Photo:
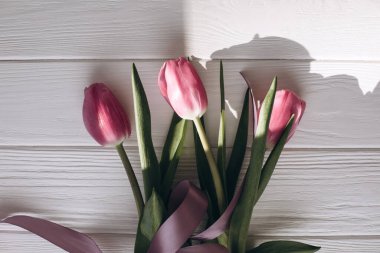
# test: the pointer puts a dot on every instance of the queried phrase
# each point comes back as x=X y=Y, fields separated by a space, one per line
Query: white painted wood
x=91 y=29
x=123 y=243
x=312 y=193
x=325 y=189
x=343 y=29
x=40 y=102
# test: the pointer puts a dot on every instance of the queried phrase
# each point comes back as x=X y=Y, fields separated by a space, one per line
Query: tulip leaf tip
x=274 y=83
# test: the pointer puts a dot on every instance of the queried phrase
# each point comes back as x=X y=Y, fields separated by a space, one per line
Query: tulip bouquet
x=169 y=214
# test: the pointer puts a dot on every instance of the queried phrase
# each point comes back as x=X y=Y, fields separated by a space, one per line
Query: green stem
x=213 y=167
x=132 y=179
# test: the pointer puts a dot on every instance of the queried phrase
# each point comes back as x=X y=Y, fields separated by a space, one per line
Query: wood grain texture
x=283 y=29
x=312 y=193
x=123 y=243
x=325 y=190
x=40 y=102
x=91 y=29
x=342 y=29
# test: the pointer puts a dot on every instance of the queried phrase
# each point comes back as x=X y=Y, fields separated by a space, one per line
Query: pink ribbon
x=190 y=206
x=63 y=237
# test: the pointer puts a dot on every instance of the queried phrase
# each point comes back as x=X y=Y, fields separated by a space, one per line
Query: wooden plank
x=91 y=29
x=18 y=241
x=283 y=29
x=160 y=29
x=312 y=193
x=40 y=102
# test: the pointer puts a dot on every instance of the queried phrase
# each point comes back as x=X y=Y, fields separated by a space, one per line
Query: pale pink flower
x=104 y=117
x=182 y=88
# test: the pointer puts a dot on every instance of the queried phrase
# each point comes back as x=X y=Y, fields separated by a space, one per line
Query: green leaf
x=151 y=220
x=204 y=175
x=148 y=158
x=153 y=216
x=141 y=243
x=238 y=150
x=284 y=247
x=221 y=155
x=242 y=214
x=171 y=153
x=272 y=160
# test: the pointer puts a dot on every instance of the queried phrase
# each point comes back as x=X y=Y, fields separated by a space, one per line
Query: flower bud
x=182 y=88
x=104 y=117
x=286 y=103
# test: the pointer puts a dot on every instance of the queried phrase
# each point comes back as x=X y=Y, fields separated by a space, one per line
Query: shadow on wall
x=336 y=108
x=337 y=113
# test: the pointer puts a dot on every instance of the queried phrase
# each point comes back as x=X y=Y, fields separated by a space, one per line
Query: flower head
x=104 y=117
x=182 y=88
x=286 y=103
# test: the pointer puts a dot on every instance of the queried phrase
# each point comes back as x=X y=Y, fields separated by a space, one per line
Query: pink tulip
x=182 y=88
x=104 y=117
x=285 y=104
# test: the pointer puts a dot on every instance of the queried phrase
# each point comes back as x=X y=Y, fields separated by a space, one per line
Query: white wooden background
x=326 y=189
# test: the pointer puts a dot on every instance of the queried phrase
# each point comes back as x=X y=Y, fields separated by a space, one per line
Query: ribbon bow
x=188 y=206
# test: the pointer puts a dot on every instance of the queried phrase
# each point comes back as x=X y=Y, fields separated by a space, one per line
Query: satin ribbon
x=63 y=237
x=189 y=206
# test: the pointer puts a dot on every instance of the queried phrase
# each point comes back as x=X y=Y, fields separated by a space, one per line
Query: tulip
x=108 y=123
x=286 y=103
x=104 y=117
x=182 y=88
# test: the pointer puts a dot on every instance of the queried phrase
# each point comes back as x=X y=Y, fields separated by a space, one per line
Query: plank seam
x=41 y=60
x=269 y=237
x=89 y=147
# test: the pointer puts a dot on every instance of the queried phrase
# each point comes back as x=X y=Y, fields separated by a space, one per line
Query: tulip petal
x=286 y=103
x=182 y=88
x=104 y=117
x=162 y=82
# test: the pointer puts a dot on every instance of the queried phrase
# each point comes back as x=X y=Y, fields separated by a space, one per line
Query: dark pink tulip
x=285 y=104
x=182 y=88
x=104 y=117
